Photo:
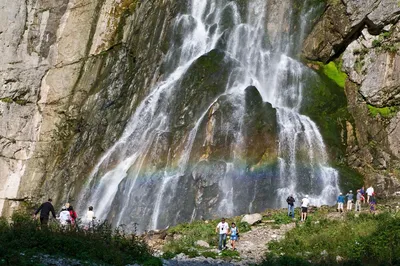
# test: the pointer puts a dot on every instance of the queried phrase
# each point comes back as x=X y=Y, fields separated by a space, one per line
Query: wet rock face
x=368 y=47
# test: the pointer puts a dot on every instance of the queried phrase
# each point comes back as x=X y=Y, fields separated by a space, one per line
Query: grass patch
x=230 y=254
x=367 y=239
x=386 y=112
x=187 y=234
x=209 y=254
x=22 y=239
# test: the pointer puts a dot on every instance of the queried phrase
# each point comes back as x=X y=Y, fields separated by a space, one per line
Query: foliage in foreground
x=22 y=239
x=363 y=240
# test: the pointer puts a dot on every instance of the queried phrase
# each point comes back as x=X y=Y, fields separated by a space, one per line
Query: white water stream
x=270 y=68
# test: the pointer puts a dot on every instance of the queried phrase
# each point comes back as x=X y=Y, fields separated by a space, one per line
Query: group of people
x=67 y=216
x=305 y=202
x=224 y=230
x=360 y=199
x=363 y=196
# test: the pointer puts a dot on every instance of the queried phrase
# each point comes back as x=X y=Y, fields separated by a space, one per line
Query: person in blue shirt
x=350 y=197
x=234 y=232
x=340 y=202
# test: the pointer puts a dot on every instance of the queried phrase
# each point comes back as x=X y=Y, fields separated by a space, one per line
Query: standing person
x=370 y=191
x=362 y=191
x=304 y=207
x=340 y=202
x=234 y=232
x=90 y=217
x=350 y=196
x=372 y=203
x=290 y=201
x=73 y=215
x=359 y=199
x=222 y=229
x=45 y=210
x=65 y=217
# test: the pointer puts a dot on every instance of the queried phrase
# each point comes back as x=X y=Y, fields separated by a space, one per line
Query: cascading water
x=123 y=187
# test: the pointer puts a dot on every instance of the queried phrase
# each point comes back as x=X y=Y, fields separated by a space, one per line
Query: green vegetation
x=187 y=234
x=333 y=72
x=386 y=112
x=384 y=42
x=22 y=239
x=359 y=240
x=11 y=100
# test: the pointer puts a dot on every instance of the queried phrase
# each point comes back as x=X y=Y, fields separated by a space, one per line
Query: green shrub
x=22 y=239
x=281 y=218
x=209 y=254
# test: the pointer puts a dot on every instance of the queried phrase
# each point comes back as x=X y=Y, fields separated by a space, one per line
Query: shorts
x=303 y=209
x=234 y=238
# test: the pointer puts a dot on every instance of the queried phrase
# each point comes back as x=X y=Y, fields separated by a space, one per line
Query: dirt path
x=253 y=244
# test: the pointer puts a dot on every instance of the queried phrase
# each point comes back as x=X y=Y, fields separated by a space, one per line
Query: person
x=222 y=229
x=372 y=203
x=290 y=201
x=350 y=196
x=359 y=200
x=234 y=232
x=340 y=202
x=45 y=210
x=73 y=215
x=370 y=191
x=362 y=191
x=304 y=206
x=65 y=217
x=90 y=217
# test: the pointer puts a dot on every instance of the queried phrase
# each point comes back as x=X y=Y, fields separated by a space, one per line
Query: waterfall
x=122 y=188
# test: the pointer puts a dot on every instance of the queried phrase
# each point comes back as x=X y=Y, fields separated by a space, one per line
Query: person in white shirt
x=90 y=217
x=65 y=217
x=222 y=229
x=369 y=191
x=304 y=207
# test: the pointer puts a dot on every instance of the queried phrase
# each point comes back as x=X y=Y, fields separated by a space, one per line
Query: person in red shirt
x=73 y=215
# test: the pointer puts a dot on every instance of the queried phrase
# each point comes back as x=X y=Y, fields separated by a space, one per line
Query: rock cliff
x=363 y=38
x=66 y=72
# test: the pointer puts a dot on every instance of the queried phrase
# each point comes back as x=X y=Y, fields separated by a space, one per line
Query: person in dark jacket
x=45 y=210
x=290 y=201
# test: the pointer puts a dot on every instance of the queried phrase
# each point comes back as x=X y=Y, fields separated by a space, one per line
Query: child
x=234 y=232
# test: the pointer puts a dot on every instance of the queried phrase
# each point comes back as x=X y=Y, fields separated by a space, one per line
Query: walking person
x=73 y=215
x=222 y=228
x=304 y=207
x=45 y=210
x=340 y=202
x=234 y=232
x=359 y=200
x=290 y=201
x=370 y=192
x=350 y=197
x=65 y=217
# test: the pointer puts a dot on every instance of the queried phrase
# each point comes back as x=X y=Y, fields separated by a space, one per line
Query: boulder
x=252 y=218
x=202 y=243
